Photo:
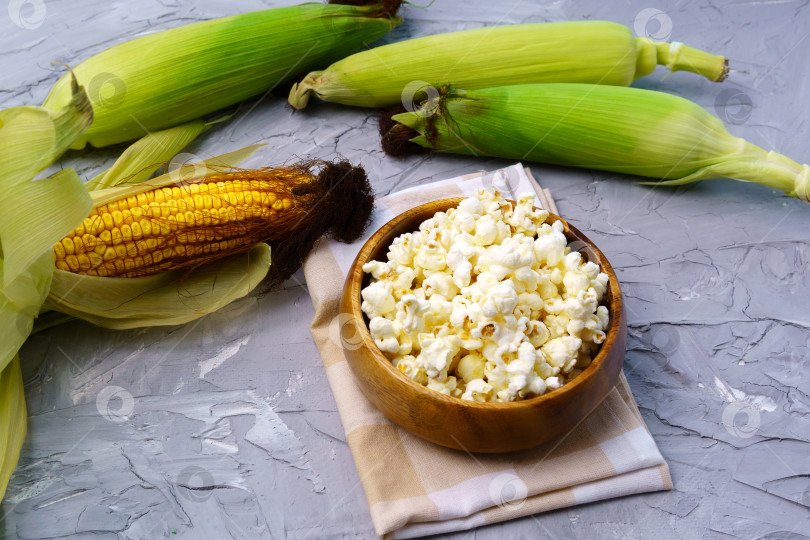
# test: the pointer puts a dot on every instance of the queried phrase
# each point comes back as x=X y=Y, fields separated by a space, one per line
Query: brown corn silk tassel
x=188 y=224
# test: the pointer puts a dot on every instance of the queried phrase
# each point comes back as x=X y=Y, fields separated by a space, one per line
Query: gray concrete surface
x=226 y=427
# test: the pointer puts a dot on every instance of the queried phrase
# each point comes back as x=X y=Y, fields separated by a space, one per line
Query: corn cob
x=626 y=130
x=174 y=76
x=190 y=224
x=596 y=52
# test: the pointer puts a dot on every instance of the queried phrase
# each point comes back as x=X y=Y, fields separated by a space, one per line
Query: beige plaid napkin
x=416 y=488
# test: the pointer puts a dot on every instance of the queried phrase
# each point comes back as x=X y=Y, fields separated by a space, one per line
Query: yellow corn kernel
x=94 y=224
x=88 y=243
x=68 y=246
x=59 y=250
x=126 y=217
x=84 y=261
x=72 y=262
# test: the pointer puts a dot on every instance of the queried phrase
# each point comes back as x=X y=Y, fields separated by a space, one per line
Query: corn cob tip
x=302 y=90
x=677 y=56
x=347 y=203
x=802 y=189
x=724 y=72
x=395 y=137
x=342 y=212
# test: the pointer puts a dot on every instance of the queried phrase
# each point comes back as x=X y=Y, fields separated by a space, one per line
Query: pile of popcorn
x=487 y=302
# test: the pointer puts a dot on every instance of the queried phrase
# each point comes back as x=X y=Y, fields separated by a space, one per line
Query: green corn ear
x=171 y=77
x=597 y=52
x=626 y=130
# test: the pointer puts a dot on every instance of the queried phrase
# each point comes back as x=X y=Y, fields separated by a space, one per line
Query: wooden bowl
x=468 y=425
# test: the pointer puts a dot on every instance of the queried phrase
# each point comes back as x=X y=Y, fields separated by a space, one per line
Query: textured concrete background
x=226 y=427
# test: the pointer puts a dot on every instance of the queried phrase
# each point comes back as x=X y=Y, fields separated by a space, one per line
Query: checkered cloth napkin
x=417 y=488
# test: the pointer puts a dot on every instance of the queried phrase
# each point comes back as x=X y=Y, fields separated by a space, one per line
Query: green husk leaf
x=20 y=302
x=186 y=173
x=147 y=155
x=164 y=299
x=13 y=419
x=42 y=211
x=171 y=77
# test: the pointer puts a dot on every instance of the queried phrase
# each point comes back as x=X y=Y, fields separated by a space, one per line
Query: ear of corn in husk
x=611 y=128
x=169 y=250
x=596 y=52
x=171 y=77
x=34 y=212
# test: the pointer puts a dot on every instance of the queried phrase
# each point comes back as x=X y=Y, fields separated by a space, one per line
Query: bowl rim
x=610 y=336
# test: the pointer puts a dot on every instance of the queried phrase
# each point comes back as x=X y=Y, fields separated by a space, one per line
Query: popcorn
x=447 y=386
x=384 y=335
x=478 y=390
x=437 y=354
x=486 y=231
x=377 y=299
x=486 y=302
x=408 y=366
x=409 y=311
x=471 y=367
x=441 y=283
